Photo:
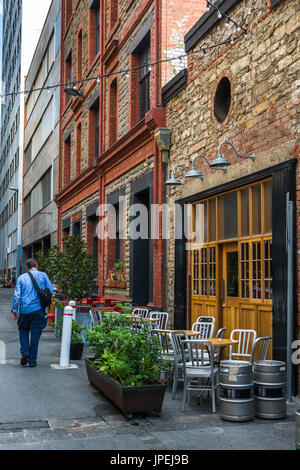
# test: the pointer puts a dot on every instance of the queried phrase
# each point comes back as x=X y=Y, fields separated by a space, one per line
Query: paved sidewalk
x=46 y=409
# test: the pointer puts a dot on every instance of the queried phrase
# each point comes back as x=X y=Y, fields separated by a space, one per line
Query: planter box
x=143 y=399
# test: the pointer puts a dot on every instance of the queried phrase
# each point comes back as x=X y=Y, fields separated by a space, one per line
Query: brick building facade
x=107 y=144
x=245 y=92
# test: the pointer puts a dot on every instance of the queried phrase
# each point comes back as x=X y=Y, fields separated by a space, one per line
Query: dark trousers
x=30 y=329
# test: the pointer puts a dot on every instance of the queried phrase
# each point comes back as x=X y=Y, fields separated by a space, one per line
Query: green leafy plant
x=125 y=308
x=132 y=358
x=76 y=335
x=119 y=266
x=72 y=269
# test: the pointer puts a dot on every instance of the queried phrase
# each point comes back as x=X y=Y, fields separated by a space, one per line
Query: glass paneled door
x=230 y=285
x=231 y=260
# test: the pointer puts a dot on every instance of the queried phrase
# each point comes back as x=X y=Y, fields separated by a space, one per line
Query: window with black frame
x=144 y=80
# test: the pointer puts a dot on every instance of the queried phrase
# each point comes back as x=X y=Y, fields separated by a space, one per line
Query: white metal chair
x=243 y=349
x=96 y=316
x=162 y=320
x=176 y=338
x=260 y=348
x=143 y=312
x=195 y=368
x=220 y=333
x=164 y=338
x=206 y=318
x=205 y=328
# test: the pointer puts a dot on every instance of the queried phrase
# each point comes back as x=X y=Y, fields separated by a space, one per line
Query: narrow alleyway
x=45 y=408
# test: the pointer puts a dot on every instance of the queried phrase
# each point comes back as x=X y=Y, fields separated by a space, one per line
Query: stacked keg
x=269 y=379
x=236 y=391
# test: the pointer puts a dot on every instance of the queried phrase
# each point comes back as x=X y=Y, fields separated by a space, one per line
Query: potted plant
x=126 y=365
x=72 y=269
x=76 y=347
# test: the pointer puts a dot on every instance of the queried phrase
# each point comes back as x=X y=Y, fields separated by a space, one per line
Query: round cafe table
x=220 y=342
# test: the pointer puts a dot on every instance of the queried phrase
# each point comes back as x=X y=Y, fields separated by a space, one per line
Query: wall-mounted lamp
x=193 y=173
x=173 y=181
x=221 y=162
x=73 y=91
x=163 y=140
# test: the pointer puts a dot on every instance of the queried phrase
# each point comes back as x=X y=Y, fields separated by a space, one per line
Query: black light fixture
x=72 y=91
x=221 y=162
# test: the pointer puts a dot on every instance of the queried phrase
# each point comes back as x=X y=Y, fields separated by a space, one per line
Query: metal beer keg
x=269 y=380
x=236 y=391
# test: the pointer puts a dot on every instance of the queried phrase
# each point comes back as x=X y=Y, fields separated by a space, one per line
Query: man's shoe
x=33 y=364
x=24 y=359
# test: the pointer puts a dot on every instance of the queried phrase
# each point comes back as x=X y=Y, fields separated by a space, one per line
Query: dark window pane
x=212 y=220
x=245 y=212
x=256 y=209
x=46 y=187
x=232 y=274
x=227 y=215
x=268 y=206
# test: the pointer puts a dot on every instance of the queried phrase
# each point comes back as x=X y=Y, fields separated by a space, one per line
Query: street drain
x=20 y=426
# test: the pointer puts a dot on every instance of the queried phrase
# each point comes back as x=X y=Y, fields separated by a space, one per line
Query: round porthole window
x=222 y=100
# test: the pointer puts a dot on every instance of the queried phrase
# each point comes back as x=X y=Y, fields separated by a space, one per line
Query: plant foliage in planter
x=125 y=308
x=131 y=358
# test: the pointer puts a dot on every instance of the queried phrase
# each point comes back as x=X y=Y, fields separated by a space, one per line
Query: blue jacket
x=25 y=293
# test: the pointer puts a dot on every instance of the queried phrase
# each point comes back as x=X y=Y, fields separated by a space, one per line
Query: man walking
x=27 y=310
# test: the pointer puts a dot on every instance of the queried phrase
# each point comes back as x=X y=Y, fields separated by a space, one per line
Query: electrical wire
x=125 y=71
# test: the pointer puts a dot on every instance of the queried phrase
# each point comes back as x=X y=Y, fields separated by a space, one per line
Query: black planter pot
x=76 y=351
x=130 y=400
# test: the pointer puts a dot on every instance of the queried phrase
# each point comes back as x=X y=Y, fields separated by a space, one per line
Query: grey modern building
x=41 y=139
x=22 y=23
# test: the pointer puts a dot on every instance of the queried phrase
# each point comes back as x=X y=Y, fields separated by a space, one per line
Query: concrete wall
x=43 y=223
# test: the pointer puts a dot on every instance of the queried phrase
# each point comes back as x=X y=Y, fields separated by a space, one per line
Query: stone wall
x=264 y=117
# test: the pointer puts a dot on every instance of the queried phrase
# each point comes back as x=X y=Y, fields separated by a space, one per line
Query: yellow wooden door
x=239 y=311
x=230 y=287
x=205 y=298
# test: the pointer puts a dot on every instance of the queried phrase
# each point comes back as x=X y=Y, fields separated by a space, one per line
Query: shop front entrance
x=231 y=259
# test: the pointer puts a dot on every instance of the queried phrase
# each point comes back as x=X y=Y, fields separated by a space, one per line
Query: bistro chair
x=176 y=338
x=96 y=316
x=220 y=333
x=195 y=368
x=205 y=328
x=162 y=320
x=142 y=312
x=206 y=318
x=260 y=348
x=243 y=349
x=164 y=338
x=136 y=324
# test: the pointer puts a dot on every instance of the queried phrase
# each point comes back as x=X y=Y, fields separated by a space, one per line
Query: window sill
x=116 y=284
x=112 y=31
x=92 y=63
x=68 y=26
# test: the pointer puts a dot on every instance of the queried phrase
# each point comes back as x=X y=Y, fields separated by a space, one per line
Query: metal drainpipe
x=166 y=244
